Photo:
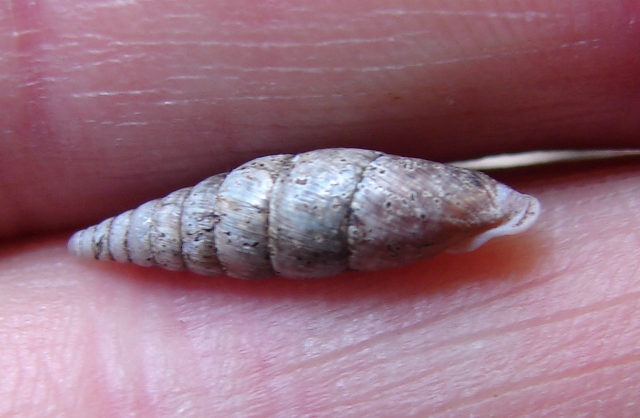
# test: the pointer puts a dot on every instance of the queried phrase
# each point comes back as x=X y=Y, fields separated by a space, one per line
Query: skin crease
x=107 y=104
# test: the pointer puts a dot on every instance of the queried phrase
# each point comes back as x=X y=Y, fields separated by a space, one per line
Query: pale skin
x=106 y=105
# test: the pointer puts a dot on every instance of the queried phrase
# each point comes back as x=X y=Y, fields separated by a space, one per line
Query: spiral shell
x=312 y=215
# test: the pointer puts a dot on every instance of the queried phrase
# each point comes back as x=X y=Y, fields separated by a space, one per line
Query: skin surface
x=108 y=104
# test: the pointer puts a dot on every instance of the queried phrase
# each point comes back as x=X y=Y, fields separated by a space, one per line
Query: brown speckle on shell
x=312 y=215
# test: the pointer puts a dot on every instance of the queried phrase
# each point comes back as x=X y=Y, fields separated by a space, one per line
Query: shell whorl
x=314 y=214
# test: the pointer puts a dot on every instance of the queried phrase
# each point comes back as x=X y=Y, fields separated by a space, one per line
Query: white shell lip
x=524 y=208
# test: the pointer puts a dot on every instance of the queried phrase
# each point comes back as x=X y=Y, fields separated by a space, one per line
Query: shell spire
x=314 y=214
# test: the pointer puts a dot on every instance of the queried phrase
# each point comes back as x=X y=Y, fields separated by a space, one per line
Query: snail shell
x=314 y=214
